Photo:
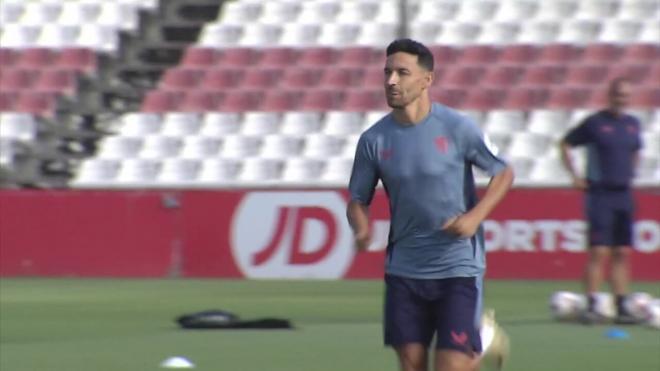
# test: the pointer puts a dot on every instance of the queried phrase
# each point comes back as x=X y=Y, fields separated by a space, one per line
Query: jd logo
x=291 y=235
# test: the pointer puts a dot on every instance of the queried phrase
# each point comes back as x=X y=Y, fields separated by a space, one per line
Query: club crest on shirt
x=631 y=129
x=386 y=154
x=606 y=129
x=441 y=144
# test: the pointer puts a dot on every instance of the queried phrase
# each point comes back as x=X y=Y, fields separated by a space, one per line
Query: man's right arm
x=567 y=161
x=358 y=218
x=361 y=187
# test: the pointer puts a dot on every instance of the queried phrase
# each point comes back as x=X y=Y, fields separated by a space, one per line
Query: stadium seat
x=337 y=170
x=300 y=123
x=301 y=170
x=37 y=13
x=317 y=56
x=345 y=77
x=640 y=53
x=77 y=59
x=362 y=100
x=180 y=124
x=240 y=12
x=568 y=97
x=299 y=78
x=96 y=172
x=280 y=100
x=279 y=57
x=477 y=11
x=256 y=169
x=180 y=79
x=579 y=31
x=342 y=123
x=637 y=73
x=617 y=31
x=638 y=9
x=299 y=34
x=17 y=36
x=278 y=146
x=484 y=98
x=119 y=147
x=215 y=35
x=338 y=34
x=503 y=75
x=425 y=32
x=519 y=54
x=321 y=100
x=279 y=12
x=13 y=80
x=199 y=57
x=139 y=124
x=40 y=104
x=458 y=33
x=601 y=9
x=200 y=101
x=260 y=35
x=218 y=171
x=200 y=147
x=138 y=172
x=586 y=74
x=17 y=126
x=601 y=53
x=358 y=11
x=522 y=98
x=431 y=11
x=219 y=124
x=239 y=57
x=650 y=32
x=159 y=147
x=102 y=38
x=549 y=170
x=161 y=101
x=261 y=78
x=559 y=53
x=647 y=97
x=75 y=13
x=257 y=123
x=11 y=12
x=548 y=122
x=526 y=144
x=516 y=10
x=452 y=97
x=314 y=12
x=178 y=172
x=478 y=54
x=36 y=57
x=118 y=15
x=504 y=121
x=498 y=33
x=55 y=36
x=57 y=81
x=239 y=146
x=556 y=9
x=319 y=145
x=221 y=79
x=544 y=74
x=241 y=101
x=462 y=75
x=538 y=32
x=377 y=34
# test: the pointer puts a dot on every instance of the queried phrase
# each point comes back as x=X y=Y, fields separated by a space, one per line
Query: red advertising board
x=297 y=234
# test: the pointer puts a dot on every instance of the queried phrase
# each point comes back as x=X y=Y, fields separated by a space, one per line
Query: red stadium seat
x=646 y=97
x=525 y=98
x=443 y=54
x=568 y=97
x=519 y=54
x=200 y=101
x=362 y=100
x=7 y=101
x=637 y=73
x=261 y=77
x=57 y=81
x=239 y=57
x=36 y=57
x=279 y=57
x=503 y=75
x=321 y=100
x=483 y=99
x=280 y=101
x=41 y=104
x=301 y=77
x=479 y=54
x=587 y=74
x=559 y=53
x=452 y=97
x=462 y=76
x=601 y=53
x=654 y=76
x=77 y=59
x=17 y=79
x=8 y=57
x=639 y=53
x=341 y=77
x=361 y=56
x=180 y=79
x=199 y=57
x=374 y=77
x=158 y=101
x=241 y=100
x=221 y=79
x=317 y=56
x=544 y=74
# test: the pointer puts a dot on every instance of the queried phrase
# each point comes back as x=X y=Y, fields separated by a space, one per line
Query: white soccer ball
x=566 y=305
x=636 y=304
x=604 y=305
x=653 y=314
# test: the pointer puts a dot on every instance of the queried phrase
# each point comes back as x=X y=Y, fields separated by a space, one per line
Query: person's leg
x=408 y=323
x=601 y=217
x=620 y=276
x=412 y=357
x=593 y=273
x=458 y=339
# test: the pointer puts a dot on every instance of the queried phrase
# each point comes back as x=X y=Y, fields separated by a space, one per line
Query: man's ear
x=429 y=78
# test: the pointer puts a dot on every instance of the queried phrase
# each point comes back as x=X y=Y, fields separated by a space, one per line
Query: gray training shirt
x=426 y=170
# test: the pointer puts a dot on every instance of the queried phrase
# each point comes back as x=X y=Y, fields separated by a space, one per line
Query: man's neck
x=413 y=113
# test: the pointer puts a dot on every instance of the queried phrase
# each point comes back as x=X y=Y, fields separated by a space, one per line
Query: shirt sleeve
x=364 y=176
x=479 y=153
x=579 y=135
x=639 y=142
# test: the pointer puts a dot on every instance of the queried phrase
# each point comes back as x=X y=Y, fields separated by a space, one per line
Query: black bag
x=221 y=319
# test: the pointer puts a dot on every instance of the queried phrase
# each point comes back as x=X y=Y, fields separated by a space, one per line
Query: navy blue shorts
x=416 y=310
x=610 y=216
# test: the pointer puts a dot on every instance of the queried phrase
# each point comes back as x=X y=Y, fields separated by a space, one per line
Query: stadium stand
x=167 y=93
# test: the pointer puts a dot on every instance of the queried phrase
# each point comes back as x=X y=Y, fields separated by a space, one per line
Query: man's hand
x=362 y=240
x=579 y=183
x=464 y=225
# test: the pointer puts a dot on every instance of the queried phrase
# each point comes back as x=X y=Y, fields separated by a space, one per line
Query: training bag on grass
x=222 y=319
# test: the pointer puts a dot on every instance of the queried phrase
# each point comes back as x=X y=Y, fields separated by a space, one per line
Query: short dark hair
x=424 y=56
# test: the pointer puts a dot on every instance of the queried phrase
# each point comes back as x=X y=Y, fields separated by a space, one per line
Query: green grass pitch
x=128 y=325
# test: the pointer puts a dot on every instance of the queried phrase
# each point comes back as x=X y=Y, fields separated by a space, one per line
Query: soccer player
x=423 y=154
x=613 y=141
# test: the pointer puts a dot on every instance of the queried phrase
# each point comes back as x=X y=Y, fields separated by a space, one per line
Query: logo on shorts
x=459 y=338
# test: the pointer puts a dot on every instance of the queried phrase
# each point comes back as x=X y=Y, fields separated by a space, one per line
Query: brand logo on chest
x=441 y=144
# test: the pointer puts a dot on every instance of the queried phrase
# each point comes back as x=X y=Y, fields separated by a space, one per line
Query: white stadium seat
x=218 y=171
x=160 y=147
x=260 y=123
x=119 y=147
x=256 y=169
x=302 y=170
x=138 y=172
x=218 y=124
x=322 y=146
x=96 y=172
x=280 y=147
x=239 y=146
x=178 y=172
x=301 y=123
x=342 y=123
